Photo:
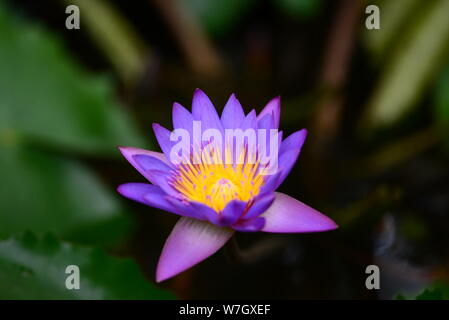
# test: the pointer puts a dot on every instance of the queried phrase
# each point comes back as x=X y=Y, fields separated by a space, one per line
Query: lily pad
x=45 y=193
x=36 y=268
x=46 y=98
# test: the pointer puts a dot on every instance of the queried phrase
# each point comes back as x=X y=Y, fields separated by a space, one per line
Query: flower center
x=215 y=184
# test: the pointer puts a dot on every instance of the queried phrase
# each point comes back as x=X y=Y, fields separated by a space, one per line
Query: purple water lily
x=214 y=197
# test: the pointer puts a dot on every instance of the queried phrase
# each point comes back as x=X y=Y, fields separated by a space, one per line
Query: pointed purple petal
x=147 y=163
x=169 y=204
x=289 y=152
x=163 y=138
x=271 y=183
x=203 y=211
x=160 y=178
x=190 y=242
x=204 y=110
x=129 y=154
x=266 y=147
x=232 y=212
x=273 y=107
x=288 y=215
x=182 y=118
x=260 y=205
x=250 y=121
x=266 y=122
x=232 y=114
x=136 y=191
x=149 y=195
x=249 y=142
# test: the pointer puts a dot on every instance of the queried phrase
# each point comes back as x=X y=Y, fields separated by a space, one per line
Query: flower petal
x=136 y=191
x=204 y=110
x=261 y=204
x=252 y=225
x=232 y=114
x=249 y=142
x=182 y=118
x=250 y=121
x=266 y=122
x=232 y=212
x=271 y=183
x=147 y=163
x=149 y=195
x=268 y=142
x=273 y=107
x=129 y=153
x=160 y=178
x=163 y=138
x=203 y=212
x=288 y=215
x=190 y=242
x=171 y=204
x=289 y=152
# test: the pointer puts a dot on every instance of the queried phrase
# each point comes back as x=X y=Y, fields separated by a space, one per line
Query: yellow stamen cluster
x=214 y=183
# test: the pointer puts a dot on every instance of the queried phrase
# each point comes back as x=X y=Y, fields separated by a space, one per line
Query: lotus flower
x=215 y=191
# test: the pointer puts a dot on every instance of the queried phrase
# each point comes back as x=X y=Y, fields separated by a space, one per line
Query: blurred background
x=375 y=102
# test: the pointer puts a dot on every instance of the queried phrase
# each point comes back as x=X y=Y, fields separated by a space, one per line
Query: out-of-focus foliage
x=115 y=36
x=42 y=192
x=34 y=268
x=435 y=292
x=442 y=104
x=301 y=9
x=45 y=100
x=44 y=96
x=219 y=16
x=394 y=18
x=419 y=54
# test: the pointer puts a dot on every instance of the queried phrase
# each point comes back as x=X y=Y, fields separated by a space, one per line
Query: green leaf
x=45 y=193
x=433 y=294
x=45 y=97
x=218 y=16
x=420 y=53
x=35 y=268
x=438 y=291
